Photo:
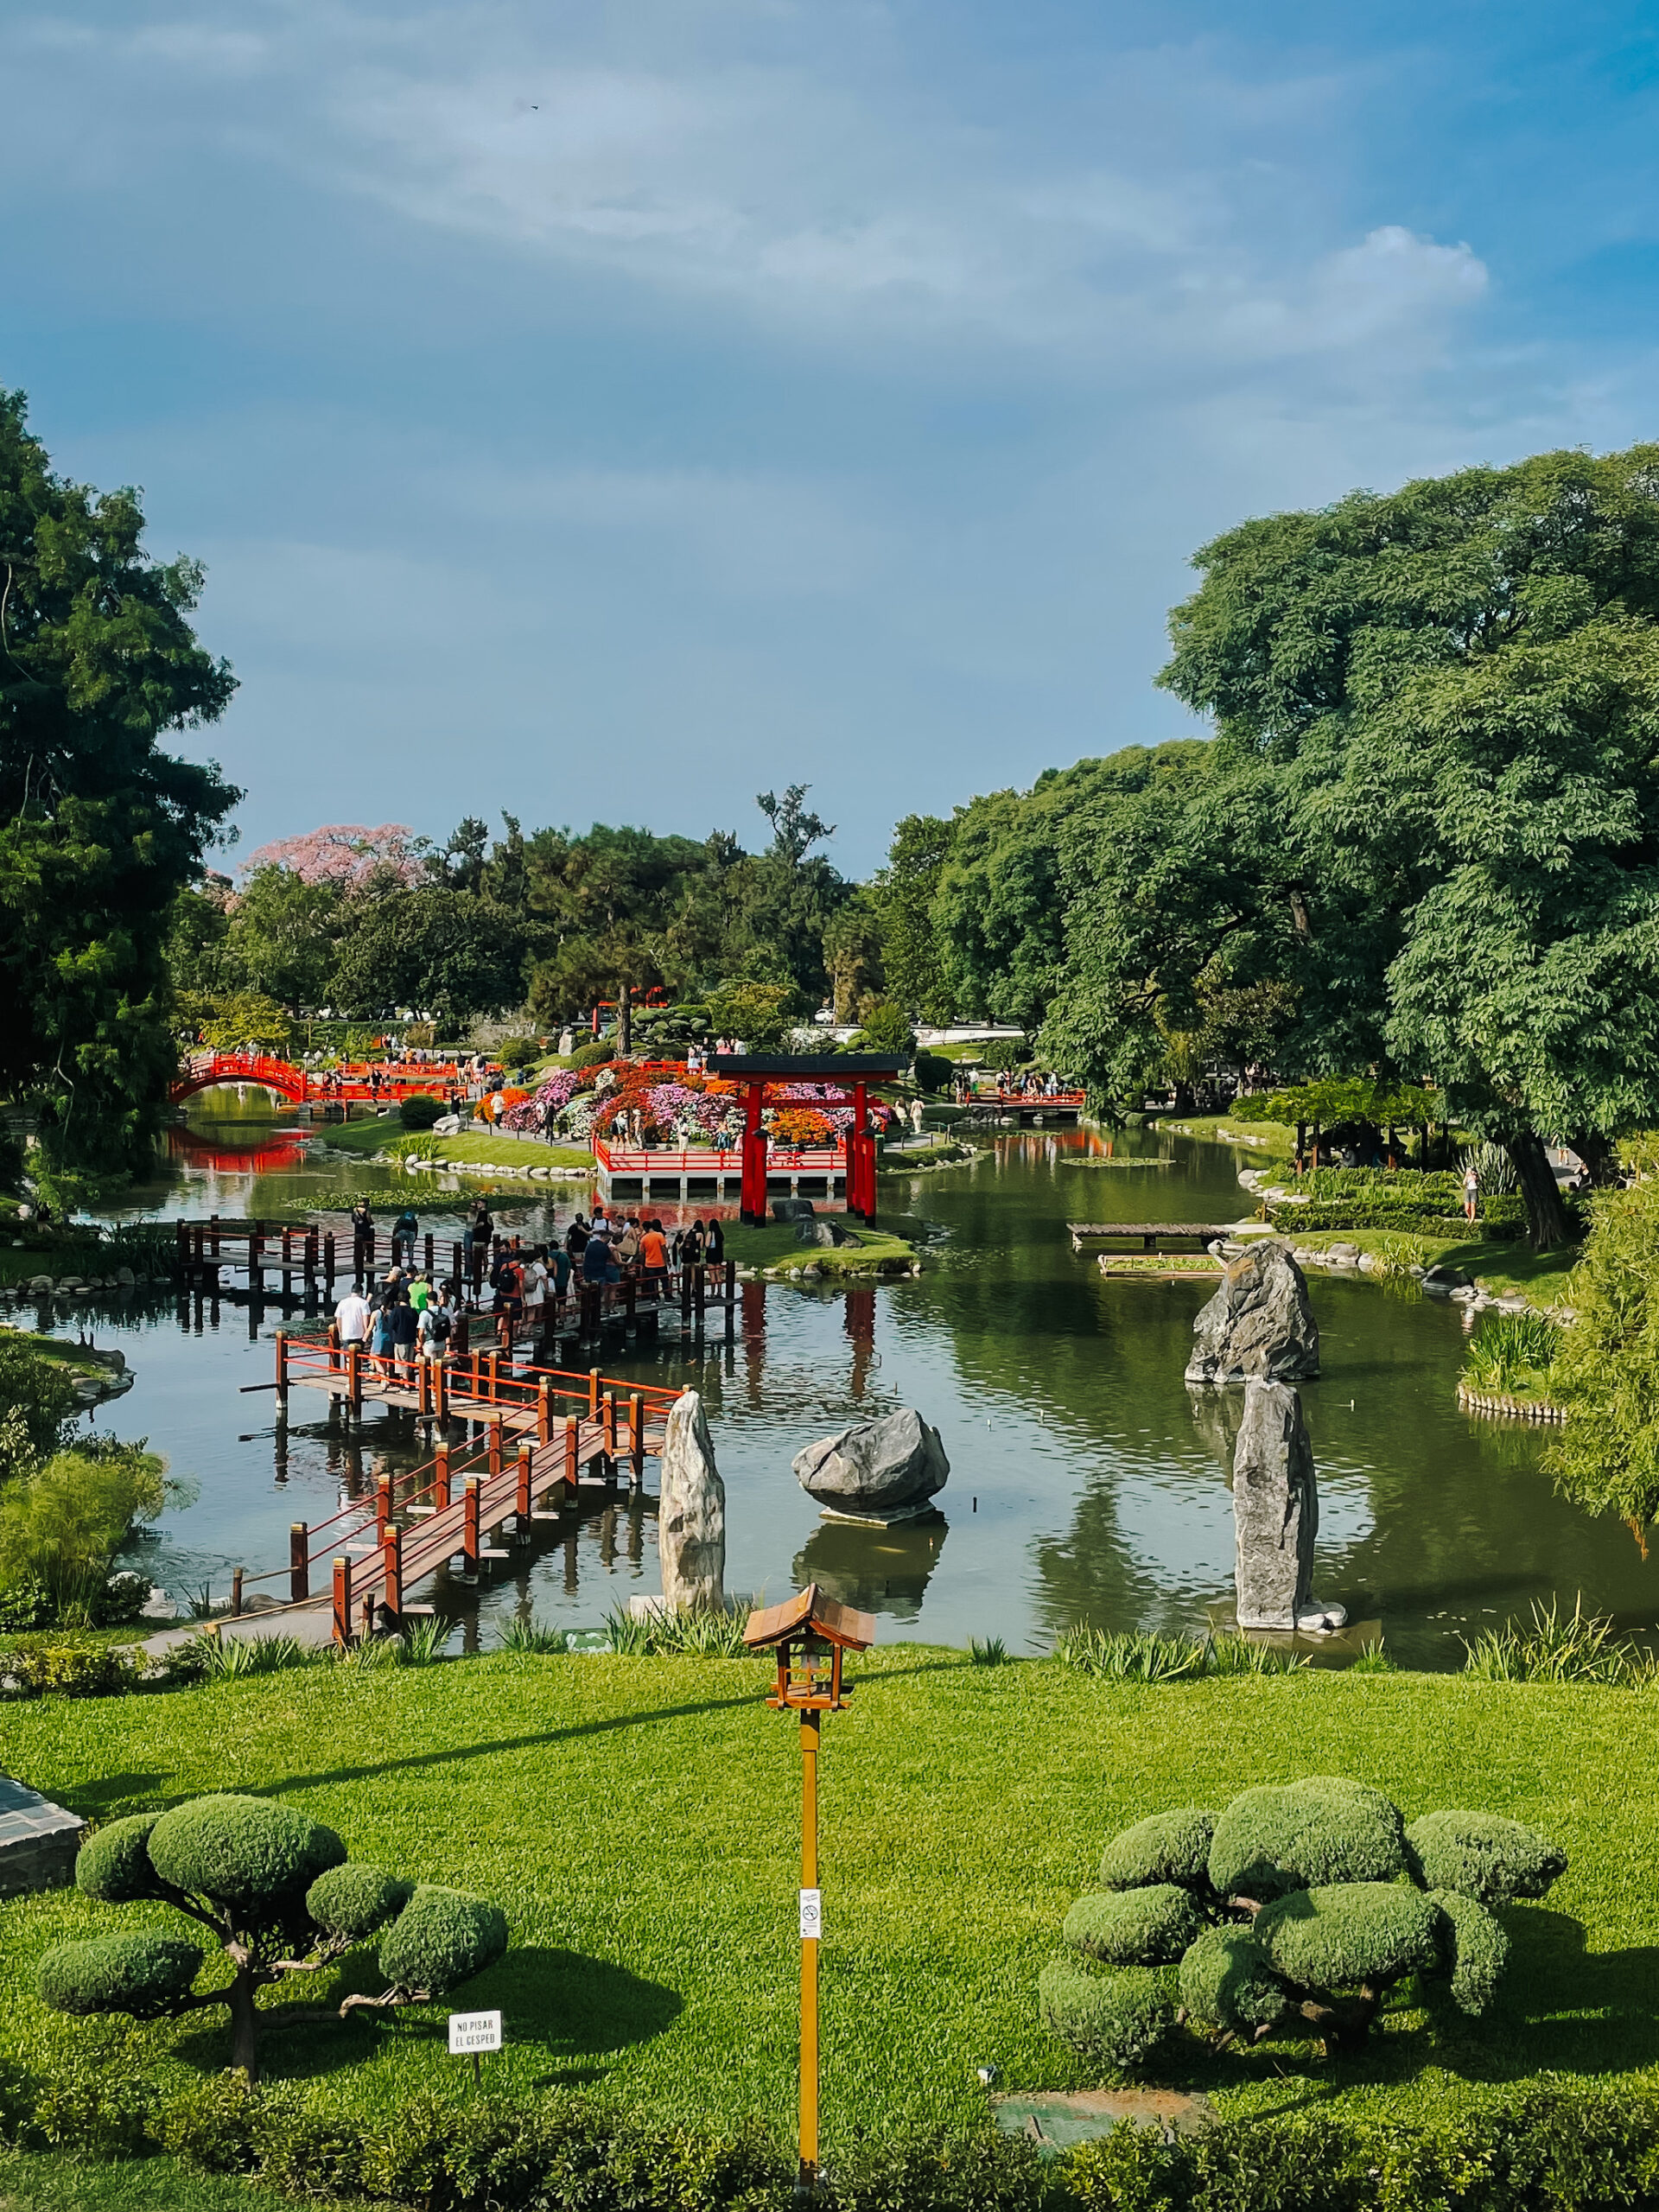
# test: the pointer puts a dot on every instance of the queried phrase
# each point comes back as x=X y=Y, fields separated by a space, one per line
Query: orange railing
x=707 y=1159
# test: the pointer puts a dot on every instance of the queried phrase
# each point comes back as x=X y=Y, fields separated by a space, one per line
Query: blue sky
x=616 y=410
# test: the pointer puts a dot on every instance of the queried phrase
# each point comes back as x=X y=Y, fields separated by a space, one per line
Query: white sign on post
x=471 y=2032
x=811 y=1915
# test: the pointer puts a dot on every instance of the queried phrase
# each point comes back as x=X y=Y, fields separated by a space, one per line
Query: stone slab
x=38 y=1841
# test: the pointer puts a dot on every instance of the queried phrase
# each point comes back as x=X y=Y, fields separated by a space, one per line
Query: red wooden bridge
x=316 y=1086
x=550 y=1433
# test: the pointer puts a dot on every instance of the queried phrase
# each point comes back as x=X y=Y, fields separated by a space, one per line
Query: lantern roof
x=811 y=1613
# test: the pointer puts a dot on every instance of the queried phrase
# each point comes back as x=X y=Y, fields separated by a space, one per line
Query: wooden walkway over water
x=550 y=1435
x=1148 y=1236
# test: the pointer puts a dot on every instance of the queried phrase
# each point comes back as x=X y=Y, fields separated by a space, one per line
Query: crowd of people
x=409 y=1315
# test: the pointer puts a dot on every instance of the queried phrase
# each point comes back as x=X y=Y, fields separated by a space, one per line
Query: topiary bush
x=278 y=1894
x=1296 y=1911
x=420 y=1110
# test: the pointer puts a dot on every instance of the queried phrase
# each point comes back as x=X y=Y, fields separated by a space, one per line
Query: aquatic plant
x=988 y=1652
x=1510 y=1353
x=1578 y=1647
x=534 y=1636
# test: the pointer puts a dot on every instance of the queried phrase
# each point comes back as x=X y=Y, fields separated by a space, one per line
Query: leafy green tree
x=99 y=827
x=852 y=949
x=763 y=1014
x=1428 y=819
x=904 y=890
x=886 y=1028
x=283 y=936
x=447 y=951
x=1606 y=1369
x=277 y=1896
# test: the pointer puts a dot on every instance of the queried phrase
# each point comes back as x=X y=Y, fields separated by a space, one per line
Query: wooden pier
x=549 y=1437
x=1145 y=1235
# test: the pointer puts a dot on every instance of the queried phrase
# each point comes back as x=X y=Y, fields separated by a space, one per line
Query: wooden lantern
x=809 y=1633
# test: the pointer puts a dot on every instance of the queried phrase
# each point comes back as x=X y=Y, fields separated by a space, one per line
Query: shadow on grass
x=581 y=2011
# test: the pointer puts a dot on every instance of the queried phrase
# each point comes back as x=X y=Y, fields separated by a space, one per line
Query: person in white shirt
x=352 y=1317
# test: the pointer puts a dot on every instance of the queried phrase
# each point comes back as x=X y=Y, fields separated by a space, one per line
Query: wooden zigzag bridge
x=549 y=1437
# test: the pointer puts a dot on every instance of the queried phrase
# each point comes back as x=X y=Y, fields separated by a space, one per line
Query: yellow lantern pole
x=812 y=1922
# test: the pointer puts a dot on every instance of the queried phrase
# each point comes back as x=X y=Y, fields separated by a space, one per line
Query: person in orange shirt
x=653 y=1252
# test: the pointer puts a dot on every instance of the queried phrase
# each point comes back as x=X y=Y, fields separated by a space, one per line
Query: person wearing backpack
x=434 y=1327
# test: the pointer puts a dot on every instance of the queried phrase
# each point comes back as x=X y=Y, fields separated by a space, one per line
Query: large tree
x=99 y=827
x=1431 y=816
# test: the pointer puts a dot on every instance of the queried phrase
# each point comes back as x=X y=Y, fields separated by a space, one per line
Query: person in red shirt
x=653 y=1254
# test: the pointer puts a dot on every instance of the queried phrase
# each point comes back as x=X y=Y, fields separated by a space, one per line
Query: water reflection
x=1087 y=1482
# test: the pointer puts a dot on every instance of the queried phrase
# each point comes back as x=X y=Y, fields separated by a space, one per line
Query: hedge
x=1557 y=2146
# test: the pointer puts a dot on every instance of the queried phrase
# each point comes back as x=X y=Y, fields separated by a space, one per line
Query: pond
x=1086 y=1482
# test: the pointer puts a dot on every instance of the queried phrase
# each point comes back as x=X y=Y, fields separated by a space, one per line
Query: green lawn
x=1272 y=1142
x=1497 y=1264
x=482 y=1150
x=59 y=2185
x=776 y=1246
x=638 y=1820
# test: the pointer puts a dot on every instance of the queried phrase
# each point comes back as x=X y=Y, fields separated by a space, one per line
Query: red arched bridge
x=314 y=1086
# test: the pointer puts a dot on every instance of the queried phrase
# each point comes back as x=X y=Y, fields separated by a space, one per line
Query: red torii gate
x=850 y=1073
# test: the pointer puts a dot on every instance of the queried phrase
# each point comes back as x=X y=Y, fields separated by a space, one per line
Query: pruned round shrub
x=1227 y=1980
x=1135 y=1928
x=420 y=1110
x=243 y=1851
x=113 y=1865
x=1165 y=1847
x=1484 y=1856
x=1115 y=2020
x=142 y=1974
x=355 y=1900
x=441 y=1937
x=1474 y=1949
x=1306 y=1835
x=1346 y=1933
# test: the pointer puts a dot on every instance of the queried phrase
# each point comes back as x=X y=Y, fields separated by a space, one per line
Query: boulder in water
x=876 y=1468
x=1259 y=1323
x=691 y=1510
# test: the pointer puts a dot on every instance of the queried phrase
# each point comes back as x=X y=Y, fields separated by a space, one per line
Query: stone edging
x=1530 y=1409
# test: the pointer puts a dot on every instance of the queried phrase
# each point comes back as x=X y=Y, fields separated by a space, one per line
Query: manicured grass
x=482 y=1148
x=54 y=1349
x=1497 y=1264
x=776 y=1247
x=1272 y=1141
x=50 y=2184
x=640 y=1821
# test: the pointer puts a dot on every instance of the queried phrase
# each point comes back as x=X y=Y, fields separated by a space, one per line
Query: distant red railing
x=707 y=1159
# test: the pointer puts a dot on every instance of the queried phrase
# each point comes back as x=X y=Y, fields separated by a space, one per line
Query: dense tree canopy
x=1430 y=817
x=101 y=826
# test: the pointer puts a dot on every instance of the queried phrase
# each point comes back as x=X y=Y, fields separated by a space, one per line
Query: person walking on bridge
x=363 y=1241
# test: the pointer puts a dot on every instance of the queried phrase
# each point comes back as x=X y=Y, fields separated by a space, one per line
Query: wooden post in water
x=610 y=1435
x=572 y=1472
x=354 y=1378
x=441 y=1475
x=521 y=1502
x=299 y=1565
x=381 y=1507
x=495 y=1447
x=282 y=1367
x=593 y=1394
x=440 y=1393
x=237 y=1573
x=544 y=1411
x=430 y=1249
x=328 y=1258
x=637 y=1436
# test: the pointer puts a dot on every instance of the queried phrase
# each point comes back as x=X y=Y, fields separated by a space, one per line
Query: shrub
x=1227 y=1981
x=1317 y=1865
x=1348 y=1933
x=142 y=1974
x=519 y=1051
x=1114 y=2020
x=1310 y=1834
x=1139 y=1927
x=1164 y=1847
x=931 y=1071
x=277 y=1889
x=1605 y=1371
x=37 y=1402
x=1482 y=1855
x=597 y=1054
x=355 y=1900
x=1474 y=1950
x=70 y=1670
x=884 y=1027
x=241 y=1851
x=25 y=1605
x=62 y=1524
x=420 y=1110
x=443 y=1937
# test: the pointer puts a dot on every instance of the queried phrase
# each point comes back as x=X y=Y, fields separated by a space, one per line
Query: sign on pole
x=473 y=2032
x=811 y=1915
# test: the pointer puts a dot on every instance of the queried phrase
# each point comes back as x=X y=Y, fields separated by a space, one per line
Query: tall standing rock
x=1258 y=1324
x=691 y=1510
x=1276 y=1515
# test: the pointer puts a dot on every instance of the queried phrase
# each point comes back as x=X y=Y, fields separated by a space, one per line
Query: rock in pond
x=691 y=1510
x=1259 y=1323
x=1276 y=1515
x=876 y=1469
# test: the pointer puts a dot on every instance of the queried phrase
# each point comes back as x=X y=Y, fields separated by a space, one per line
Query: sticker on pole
x=473 y=2032
x=811 y=1915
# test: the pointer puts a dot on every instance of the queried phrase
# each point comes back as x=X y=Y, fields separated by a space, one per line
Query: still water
x=1086 y=1482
